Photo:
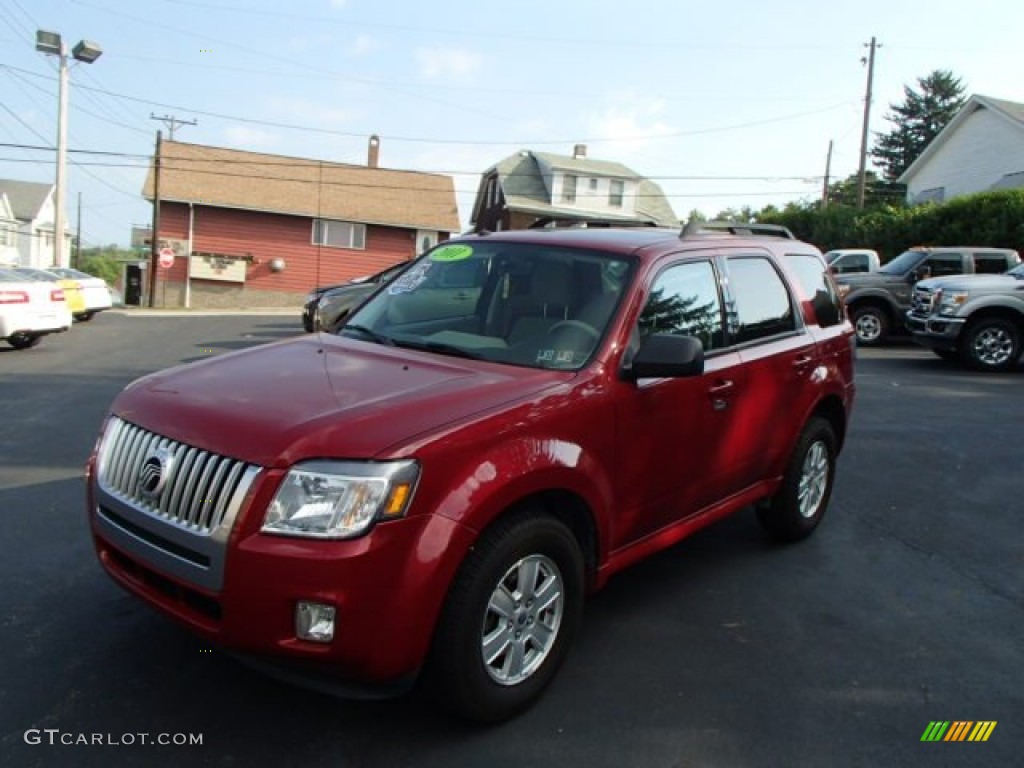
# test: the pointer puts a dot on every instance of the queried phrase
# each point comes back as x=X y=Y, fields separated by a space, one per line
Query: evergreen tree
x=918 y=120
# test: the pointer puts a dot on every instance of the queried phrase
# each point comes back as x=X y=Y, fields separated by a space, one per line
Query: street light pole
x=62 y=160
x=85 y=51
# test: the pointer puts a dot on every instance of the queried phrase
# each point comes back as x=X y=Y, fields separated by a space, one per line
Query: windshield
x=1017 y=272
x=520 y=304
x=902 y=263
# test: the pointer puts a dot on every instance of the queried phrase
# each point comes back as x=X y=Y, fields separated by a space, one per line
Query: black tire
x=991 y=344
x=797 y=509
x=871 y=324
x=23 y=340
x=488 y=690
x=85 y=318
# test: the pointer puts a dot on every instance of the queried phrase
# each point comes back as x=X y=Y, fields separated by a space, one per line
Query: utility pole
x=828 y=171
x=78 y=235
x=154 y=238
x=171 y=122
x=862 y=171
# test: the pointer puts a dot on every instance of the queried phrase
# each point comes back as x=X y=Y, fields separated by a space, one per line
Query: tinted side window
x=815 y=285
x=945 y=264
x=763 y=307
x=685 y=301
x=991 y=263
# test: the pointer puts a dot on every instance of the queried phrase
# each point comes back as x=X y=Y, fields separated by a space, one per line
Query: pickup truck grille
x=170 y=480
x=922 y=302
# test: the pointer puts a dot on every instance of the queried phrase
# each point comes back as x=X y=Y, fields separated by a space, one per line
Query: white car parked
x=30 y=309
x=94 y=290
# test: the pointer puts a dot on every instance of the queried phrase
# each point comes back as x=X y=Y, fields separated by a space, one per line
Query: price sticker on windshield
x=451 y=253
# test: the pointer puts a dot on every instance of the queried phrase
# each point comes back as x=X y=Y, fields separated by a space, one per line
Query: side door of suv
x=779 y=358
x=678 y=436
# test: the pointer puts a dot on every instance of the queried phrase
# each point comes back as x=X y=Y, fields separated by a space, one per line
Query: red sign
x=165 y=257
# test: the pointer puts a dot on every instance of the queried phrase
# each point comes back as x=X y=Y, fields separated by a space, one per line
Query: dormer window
x=569 y=189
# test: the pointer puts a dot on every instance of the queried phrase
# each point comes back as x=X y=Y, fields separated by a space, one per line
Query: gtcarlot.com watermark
x=55 y=737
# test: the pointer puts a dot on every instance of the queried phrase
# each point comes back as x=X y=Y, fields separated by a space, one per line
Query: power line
x=299 y=163
x=460 y=141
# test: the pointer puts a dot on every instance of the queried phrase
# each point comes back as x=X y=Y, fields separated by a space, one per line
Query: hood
x=317 y=397
x=974 y=283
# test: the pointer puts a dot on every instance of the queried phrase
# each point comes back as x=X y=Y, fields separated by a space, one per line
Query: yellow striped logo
x=959 y=730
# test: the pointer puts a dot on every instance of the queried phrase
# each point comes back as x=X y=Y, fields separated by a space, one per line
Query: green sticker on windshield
x=451 y=253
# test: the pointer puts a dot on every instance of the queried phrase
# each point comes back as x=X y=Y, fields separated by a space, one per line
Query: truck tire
x=991 y=344
x=509 y=619
x=871 y=324
x=795 y=511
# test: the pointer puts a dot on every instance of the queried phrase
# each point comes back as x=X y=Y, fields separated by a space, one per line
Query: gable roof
x=1010 y=111
x=522 y=184
x=232 y=178
x=26 y=197
x=6 y=212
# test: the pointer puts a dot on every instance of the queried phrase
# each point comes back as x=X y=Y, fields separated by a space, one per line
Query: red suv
x=432 y=492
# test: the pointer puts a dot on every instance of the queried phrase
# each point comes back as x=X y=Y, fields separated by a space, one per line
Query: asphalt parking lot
x=906 y=607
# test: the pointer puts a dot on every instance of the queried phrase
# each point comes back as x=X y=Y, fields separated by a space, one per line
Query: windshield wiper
x=378 y=338
x=438 y=346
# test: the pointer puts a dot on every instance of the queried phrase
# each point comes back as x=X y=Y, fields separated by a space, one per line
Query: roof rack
x=737 y=228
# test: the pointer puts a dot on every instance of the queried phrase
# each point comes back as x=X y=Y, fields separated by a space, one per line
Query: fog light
x=314 y=621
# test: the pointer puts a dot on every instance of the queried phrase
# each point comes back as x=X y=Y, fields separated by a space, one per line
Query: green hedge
x=994 y=219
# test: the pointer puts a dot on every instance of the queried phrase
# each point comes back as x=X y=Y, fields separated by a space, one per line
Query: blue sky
x=723 y=108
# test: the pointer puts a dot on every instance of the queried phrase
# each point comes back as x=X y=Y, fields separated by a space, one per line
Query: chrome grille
x=922 y=302
x=196 y=488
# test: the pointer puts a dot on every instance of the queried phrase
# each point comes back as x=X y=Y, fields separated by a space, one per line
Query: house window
x=569 y=189
x=615 y=193
x=593 y=185
x=7 y=236
x=339 y=234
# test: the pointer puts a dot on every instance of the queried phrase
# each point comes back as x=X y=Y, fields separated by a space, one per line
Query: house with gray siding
x=981 y=149
x=530 y=189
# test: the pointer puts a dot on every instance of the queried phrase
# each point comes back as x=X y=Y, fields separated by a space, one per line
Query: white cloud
x=627 y=128
x=446 y=62
x=310 y=113
x=363 y=45
x=247 y=137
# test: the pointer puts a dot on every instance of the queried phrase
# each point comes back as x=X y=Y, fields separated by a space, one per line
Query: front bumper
x=388 y=588
x=934 y=331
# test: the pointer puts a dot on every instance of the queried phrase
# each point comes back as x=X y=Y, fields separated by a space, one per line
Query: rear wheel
x=23 y=340
x=991 y=344
x=509 y=619
x=795 y=511
x=871 y=324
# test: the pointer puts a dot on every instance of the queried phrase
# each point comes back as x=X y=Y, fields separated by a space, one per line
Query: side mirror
x=921 y=273
x=664 y=355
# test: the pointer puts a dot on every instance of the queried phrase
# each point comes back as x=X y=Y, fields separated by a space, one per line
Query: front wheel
x=509 y=619
x=23 y=340
x=797 y=509
x=991 y=344
x=871 y=324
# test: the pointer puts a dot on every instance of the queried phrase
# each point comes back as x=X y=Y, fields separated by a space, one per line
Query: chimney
x=373 y=152
x=579 y=152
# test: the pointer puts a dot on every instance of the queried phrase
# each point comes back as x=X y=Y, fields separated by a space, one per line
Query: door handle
x=803 y=361
x=720 y=387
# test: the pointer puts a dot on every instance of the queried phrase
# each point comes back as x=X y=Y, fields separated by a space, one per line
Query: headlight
x=950 y=301
x=340 y=499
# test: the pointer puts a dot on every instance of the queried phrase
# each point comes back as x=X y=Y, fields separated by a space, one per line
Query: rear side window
x=763 y=307
x=991 y=263
x=685 y=301
x=816 y=286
